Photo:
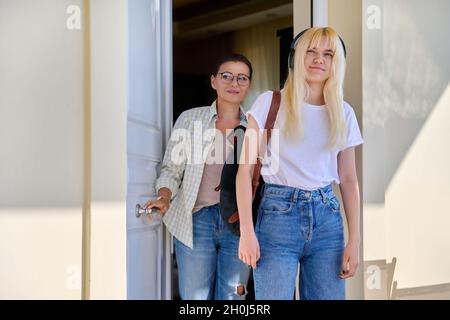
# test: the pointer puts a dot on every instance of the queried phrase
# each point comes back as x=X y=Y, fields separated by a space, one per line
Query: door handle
x=139 y=211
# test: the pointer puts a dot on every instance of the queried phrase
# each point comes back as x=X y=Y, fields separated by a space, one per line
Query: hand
x=162 y=205
x=350 y=260
x=249 y=249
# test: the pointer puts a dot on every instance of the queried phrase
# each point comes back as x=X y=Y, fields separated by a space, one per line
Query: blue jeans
x=299 y=226
x=212 y=269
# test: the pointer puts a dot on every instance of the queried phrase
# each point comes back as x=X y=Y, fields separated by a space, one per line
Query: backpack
x=228 y=203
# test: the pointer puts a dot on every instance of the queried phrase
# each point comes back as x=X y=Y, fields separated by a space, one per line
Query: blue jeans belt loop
x=324 y=196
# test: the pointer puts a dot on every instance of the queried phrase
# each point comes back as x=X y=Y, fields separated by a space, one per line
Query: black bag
x=227 y=187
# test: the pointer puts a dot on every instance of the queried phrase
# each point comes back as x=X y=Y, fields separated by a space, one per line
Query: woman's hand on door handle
x=162 y=205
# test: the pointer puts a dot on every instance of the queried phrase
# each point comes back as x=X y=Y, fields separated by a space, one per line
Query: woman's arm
x=248 y=244
x=172 y=170
x=350 y=195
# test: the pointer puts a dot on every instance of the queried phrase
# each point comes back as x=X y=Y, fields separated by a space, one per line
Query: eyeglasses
x=241 y=79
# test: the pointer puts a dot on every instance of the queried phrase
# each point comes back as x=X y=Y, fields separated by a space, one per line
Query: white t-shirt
x=307 y=163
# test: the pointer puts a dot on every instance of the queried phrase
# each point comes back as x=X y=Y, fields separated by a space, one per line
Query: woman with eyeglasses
x=188 y=197
x=299 y=217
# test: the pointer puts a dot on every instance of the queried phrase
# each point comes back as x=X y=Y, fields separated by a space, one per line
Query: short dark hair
x=234 y=57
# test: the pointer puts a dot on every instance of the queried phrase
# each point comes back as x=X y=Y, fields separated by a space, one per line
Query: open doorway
x=204 y=30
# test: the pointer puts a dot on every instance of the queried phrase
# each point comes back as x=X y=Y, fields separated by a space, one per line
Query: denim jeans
x=299 y=226
x=212 y=269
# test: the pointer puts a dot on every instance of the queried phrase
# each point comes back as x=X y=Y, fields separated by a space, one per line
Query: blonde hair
x=296 y=89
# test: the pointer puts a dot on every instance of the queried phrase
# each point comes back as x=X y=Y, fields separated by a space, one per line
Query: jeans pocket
x=277 y=206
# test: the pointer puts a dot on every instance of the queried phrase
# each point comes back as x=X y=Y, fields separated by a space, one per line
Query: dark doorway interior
x=196 y=47
x=190 y=90
x=193 y=65
x=285 y=36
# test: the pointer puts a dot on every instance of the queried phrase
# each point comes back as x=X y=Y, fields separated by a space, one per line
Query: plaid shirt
x=183 y=177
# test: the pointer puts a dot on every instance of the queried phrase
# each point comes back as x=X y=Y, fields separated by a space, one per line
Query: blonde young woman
x=206 y=250
x=299 y=218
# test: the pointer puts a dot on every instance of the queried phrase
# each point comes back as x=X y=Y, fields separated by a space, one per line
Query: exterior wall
x=406 y=119
x=63 y=150
x=42 y=150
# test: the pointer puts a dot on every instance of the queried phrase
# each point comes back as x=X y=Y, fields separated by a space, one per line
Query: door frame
x=105 y=27
x=167 y=121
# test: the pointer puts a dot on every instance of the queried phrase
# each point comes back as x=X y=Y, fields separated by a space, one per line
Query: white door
x=149 y=122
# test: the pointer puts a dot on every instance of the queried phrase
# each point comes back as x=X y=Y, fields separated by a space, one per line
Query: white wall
x=41 y=166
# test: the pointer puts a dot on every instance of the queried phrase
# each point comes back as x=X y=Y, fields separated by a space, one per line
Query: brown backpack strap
x=270 y=121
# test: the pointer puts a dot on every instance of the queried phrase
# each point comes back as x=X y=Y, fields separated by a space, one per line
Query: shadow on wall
x=378 y=278
x=406 y=120
x=436 y=292
x=402 y=86
x=379 y=284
